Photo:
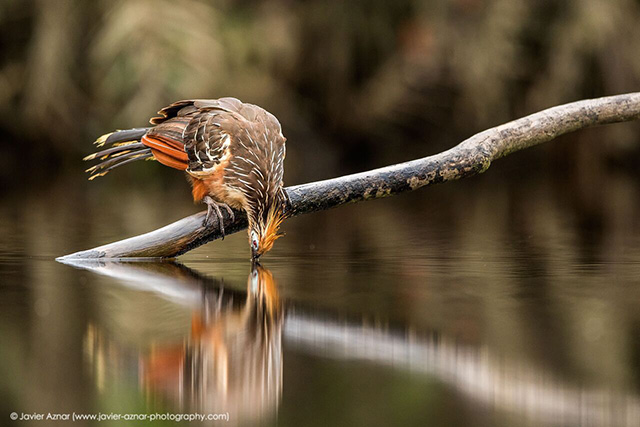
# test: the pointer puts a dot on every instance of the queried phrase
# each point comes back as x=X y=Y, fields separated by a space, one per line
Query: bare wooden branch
x=470 y=157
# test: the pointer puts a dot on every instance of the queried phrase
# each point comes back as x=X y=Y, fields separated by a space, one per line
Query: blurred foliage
x=357 y=73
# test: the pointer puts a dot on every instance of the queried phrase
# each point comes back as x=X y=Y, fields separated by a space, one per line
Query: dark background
x=356 y=84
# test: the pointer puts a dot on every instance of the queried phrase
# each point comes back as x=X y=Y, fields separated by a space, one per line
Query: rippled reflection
x=233 y=359
x=230 y=359
x=516 y=388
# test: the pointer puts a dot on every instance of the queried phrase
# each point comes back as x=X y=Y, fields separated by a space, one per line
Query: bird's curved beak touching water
x=263 y=234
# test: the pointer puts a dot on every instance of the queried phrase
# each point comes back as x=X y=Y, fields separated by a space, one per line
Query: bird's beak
x=255 y=255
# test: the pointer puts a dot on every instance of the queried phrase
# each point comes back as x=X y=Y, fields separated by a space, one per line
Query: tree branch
x=470 y=157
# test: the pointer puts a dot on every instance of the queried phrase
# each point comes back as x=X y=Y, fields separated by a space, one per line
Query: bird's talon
x=213 y=210
x=232 y=216
x=208 y=220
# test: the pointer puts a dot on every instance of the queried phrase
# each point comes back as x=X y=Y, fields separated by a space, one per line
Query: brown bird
x=233 y=154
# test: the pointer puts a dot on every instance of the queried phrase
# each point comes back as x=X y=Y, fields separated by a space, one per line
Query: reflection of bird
x=233 y=154
x=232 y=360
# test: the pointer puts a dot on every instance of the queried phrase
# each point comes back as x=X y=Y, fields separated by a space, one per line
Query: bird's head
x=263 y=230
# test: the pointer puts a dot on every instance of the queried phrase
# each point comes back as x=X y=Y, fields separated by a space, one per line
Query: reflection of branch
x=508 y=386
x=476 y=372
x=468 y=158
x=171 y=280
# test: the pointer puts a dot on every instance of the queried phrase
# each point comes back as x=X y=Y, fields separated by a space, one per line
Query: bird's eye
x=254 y=241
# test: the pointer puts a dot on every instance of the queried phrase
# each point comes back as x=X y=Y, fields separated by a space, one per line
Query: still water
x=474 y=303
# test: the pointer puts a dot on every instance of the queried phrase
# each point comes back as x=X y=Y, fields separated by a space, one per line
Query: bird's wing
x=192 y=106
x=185 y=135
x=212 y=131
x=207 y=139
x=258 y=149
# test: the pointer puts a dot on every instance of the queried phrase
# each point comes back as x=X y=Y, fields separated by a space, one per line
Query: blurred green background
x=356 y=84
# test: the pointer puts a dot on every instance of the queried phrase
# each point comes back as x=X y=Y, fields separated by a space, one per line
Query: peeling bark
x=470 y=157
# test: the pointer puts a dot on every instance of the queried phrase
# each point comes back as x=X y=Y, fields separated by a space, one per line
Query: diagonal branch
x=470 y=157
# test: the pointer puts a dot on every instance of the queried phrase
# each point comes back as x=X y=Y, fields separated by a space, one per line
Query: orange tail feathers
x=167 y=151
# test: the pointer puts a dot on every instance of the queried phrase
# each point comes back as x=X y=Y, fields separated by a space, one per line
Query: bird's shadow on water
x=231 y=360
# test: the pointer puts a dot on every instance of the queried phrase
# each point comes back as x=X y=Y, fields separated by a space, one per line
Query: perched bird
x=233 y=154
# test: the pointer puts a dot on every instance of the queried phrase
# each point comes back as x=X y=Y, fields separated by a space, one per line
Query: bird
x=232 y=152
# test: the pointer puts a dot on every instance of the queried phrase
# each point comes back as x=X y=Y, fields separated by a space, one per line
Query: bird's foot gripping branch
x=468 y=158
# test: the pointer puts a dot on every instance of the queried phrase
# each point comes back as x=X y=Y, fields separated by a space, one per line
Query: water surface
x=472 y=303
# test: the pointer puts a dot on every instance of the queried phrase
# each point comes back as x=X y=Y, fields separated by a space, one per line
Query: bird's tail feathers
x=119 y=136
x=167 y=150
x=124 y=147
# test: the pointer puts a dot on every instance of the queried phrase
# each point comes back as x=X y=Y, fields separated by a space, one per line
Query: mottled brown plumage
x=232 y=152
